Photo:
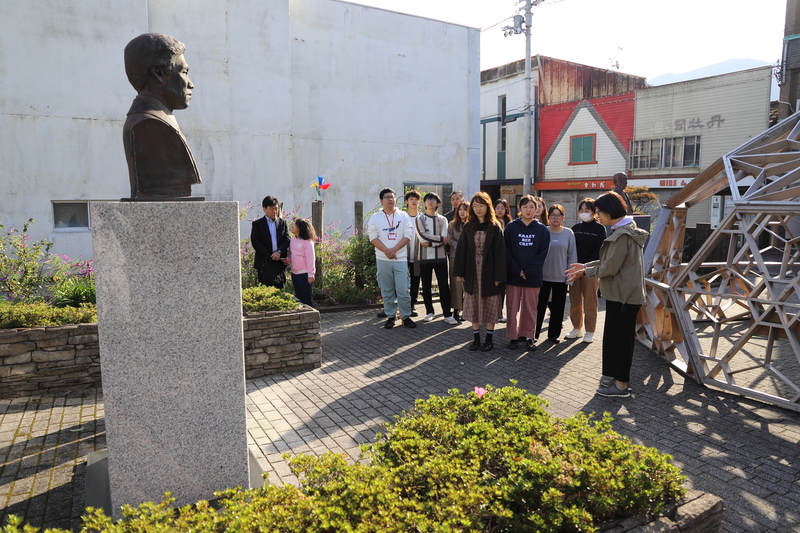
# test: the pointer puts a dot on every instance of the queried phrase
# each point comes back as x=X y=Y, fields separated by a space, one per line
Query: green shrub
x=542 y=473
x=459 y=463
x=33 y=315
x=263 y=298
x=74 y=292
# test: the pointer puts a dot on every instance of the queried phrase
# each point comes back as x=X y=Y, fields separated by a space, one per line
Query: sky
x=645 y=37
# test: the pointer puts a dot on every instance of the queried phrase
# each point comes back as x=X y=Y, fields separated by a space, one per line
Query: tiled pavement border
x=743 y=451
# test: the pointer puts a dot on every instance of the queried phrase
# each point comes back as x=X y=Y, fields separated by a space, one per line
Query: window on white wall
x=442 y=189
x=502 y=111
x=71 y=216
x=582 y=149
x=666 y=153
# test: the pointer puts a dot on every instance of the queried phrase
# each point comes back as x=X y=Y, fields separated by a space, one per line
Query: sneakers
x=612 y=391
x=487 y=345
x=574 y=334
x=450 y=320
x=407 y=322
x=389 y=323
x=475 y=345
x=503 y=320
x=381 y=314
x=607 y=381
x=512 y=345
x=414 y=313
x=589 y=337
x=530 y=345
x=554 y=341
x=428 y=317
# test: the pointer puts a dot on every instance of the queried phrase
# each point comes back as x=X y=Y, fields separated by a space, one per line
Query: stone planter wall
x=46 y=360
x=37 y=361
x=697 y=512
x=281 y=341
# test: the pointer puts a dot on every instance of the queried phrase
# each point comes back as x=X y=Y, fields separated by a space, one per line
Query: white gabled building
x=285 y=90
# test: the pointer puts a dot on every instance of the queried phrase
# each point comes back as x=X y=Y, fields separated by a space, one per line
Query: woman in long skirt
x=480 y=265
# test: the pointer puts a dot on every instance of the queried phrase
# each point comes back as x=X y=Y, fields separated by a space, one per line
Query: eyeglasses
x=556 y=215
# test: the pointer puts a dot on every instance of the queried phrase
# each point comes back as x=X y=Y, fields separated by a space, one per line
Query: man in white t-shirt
x=389 y=231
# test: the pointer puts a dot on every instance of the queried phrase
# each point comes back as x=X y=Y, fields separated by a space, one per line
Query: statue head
x=156 y=68
x=620 y=180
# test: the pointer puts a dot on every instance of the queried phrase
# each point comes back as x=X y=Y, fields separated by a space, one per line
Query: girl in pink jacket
x=302 y=259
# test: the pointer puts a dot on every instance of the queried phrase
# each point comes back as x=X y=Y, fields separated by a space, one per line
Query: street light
x=516 y=29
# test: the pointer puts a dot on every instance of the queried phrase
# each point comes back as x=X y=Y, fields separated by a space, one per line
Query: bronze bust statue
x=160 y=164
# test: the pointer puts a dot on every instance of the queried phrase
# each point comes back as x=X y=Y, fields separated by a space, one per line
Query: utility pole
x=516 y=29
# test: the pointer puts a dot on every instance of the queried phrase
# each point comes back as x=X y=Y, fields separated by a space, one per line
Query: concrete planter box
x=697 y=512
x=53 y=359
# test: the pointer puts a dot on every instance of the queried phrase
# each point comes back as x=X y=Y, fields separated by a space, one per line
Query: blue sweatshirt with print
x=526 y=250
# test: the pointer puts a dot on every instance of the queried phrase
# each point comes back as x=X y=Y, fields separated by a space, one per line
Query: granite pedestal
x=171 y=349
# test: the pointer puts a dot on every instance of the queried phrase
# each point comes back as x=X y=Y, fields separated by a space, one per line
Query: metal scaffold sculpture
x=734 y=325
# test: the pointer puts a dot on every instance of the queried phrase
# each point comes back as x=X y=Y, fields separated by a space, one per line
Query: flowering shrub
x=349 y=269
x=24 y=264
x=494 y=462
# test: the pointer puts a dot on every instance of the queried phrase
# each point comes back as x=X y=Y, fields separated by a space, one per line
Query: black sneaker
x=487 y=345
x=414 y=314
x=381 y=314
x=407 y=322
x=530 y=345
x=475 y=345
x=512 y=345
x=554 y=341
x=389 y=323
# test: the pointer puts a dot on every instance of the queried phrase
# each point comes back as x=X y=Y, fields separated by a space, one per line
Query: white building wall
x=513 y=87
x=741 y=99
x=284 y=90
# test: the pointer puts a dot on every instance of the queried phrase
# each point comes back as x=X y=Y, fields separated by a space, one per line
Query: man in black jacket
x=270 y=239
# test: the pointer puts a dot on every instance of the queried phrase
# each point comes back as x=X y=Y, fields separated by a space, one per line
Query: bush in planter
x=493 y=460
x=39 y=314
x=263 y=298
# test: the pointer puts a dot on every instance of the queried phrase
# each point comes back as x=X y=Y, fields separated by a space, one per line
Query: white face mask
x=586 y=217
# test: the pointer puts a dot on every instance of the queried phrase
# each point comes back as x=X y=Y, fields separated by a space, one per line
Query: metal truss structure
x=734 y=325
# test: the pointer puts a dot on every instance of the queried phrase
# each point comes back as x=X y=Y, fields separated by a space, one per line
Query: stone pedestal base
x=171 y=349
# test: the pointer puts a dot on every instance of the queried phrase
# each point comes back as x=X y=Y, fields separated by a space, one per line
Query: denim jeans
x=393 y=279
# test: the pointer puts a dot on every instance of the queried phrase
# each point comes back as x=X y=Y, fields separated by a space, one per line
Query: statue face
x=176 y=90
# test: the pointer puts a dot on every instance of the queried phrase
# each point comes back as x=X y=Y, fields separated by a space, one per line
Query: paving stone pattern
x=740 y=450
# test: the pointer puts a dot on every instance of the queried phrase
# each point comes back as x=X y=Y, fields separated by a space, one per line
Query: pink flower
x=480 y=391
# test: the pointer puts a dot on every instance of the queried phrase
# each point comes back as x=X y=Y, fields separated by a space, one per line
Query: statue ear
x=158 y=73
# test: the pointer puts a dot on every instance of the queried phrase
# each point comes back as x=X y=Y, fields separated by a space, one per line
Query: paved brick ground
x=741 y=450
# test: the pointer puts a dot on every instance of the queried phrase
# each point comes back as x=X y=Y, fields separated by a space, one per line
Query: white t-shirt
x=390 y=229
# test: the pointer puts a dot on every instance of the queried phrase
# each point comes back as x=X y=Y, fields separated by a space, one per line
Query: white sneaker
x=589 y=337
x=428 y=317
x=452 y=321
x=574 y=334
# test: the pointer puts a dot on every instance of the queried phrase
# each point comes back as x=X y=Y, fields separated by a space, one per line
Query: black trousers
x=413 y=286
x=302 y=288
x=619 y=338
x=426 y=271
x=556 y=305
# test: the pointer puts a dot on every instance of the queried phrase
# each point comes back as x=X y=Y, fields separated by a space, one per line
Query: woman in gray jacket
x=621 y=272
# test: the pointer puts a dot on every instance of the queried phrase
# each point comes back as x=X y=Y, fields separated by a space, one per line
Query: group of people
x=278 y=244
x=487 y=263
